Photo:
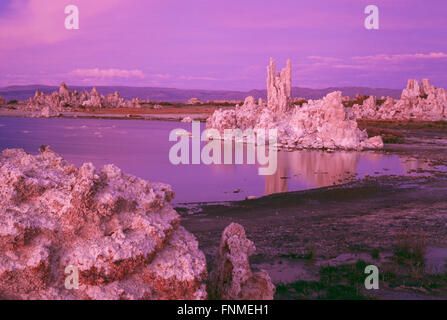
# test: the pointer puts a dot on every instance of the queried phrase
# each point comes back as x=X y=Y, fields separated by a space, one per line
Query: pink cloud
x=192 y=78
x=107 y=73
x=162 y=76
x=398 y=57
x=325 y=59
x=364 y=62
x=351 y=66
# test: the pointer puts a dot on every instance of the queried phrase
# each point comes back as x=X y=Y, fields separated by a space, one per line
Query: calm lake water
x=141 y=148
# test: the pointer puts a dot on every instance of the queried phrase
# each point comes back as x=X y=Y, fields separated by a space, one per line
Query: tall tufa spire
x=279 y=87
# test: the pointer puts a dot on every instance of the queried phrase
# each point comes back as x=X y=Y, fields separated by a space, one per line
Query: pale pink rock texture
x=279 y=87
x=418 y=102
x=232 y=277
x=314 y=124
x=47 y=112
x=193 y=101
x=66 y=99
x=118 y=230
x=2 y=101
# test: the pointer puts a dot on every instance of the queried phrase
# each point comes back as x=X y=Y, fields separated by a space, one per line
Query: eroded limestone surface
x=314 y=124
x=418 y=102
x=232 y=278
x=64 y=99
x=119 y=231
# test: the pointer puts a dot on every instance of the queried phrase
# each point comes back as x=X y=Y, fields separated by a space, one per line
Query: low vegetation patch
x=410 y=249
x=309 y=254
x=359 y=99
x=388 y=136
x=340 y=282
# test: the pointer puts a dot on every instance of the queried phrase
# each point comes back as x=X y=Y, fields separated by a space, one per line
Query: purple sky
x=212 y=44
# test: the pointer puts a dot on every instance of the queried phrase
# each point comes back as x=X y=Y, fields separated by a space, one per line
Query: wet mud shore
x=315 y=244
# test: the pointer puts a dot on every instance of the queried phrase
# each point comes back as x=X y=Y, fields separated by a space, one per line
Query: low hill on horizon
x=23 y=92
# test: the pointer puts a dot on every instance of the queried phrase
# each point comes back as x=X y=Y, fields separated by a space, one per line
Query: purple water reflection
x=141 y=148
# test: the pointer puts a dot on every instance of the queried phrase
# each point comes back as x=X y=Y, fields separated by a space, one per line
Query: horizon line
x=176 y=88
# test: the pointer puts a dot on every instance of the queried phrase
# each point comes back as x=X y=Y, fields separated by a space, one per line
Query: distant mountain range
x=182 y=95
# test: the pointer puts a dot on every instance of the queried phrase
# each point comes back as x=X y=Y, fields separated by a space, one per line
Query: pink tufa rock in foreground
x=232 y=278
x=317 y=124
x=418 y=102
x=118 y=230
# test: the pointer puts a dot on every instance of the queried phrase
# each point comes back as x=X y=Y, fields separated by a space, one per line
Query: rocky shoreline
x=395 y=223
x=421 y=102
x=316 y=243
x=117 y=231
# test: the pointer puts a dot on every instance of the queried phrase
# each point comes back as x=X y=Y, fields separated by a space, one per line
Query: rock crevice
x=118 y=231
x=232 y=278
